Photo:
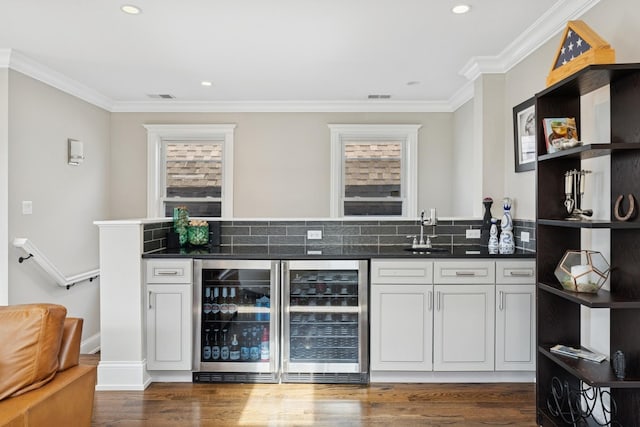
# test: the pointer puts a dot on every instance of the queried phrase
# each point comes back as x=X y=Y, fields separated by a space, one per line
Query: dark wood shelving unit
x=602 y=299
x=592 y=373
x=586 y=223
x=558 y=310
x=590 y=151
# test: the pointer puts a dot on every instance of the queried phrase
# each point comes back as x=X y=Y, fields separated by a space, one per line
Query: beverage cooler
x=236 y=319
x=289 y=321
x=325 y=322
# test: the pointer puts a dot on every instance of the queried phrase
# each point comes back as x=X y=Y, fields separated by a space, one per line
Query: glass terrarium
x=582 y=271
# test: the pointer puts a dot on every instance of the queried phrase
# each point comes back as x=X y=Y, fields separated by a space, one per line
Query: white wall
x=281 y=160
x=66 y=199
x=4 y=186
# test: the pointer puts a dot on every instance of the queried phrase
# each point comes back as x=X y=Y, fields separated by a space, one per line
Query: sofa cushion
x=70 y=347
x=30 y=335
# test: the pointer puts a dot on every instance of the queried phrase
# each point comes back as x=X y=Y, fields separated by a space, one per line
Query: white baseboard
x=171 y=376
x=122 y=376
x=452 y=377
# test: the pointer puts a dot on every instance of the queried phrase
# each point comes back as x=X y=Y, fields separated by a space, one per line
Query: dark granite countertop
x=331 y=252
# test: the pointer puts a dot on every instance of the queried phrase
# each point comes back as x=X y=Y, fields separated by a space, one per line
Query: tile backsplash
x=339 y=232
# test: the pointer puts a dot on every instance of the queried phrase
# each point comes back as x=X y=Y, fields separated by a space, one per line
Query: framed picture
x=524 y=133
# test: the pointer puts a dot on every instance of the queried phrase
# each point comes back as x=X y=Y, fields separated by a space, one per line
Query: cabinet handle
x=438 y=301
x=167 y=273
x=465 y=273
x=527 y=273
x=430 y=300
x=150 y=307
x=501 y=300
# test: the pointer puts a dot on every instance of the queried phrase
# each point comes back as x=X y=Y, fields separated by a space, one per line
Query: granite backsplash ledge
x=339 y=232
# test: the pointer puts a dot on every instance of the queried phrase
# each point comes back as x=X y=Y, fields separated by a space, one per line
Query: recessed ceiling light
x=461 y=8
x=206 y=83
x=130 y=9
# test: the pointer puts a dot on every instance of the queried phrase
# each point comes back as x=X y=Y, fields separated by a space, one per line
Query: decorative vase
x=181 y=223
x=493 y=237
x=486 y=220
x=198 y=235
x=507 y=244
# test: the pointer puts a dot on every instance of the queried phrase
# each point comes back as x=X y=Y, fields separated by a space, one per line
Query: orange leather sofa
x=41 y=381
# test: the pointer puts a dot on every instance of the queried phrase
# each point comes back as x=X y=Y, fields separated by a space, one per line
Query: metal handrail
x=33 y=252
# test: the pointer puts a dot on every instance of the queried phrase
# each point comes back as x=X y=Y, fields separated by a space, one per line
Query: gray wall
x=4 y=186
x=462 y=199
x=281 y=160
x=66 y=199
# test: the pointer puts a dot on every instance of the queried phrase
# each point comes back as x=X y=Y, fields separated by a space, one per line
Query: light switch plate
x=473 y=234
x=314 y=234
x=27 y=207
x=524 y=236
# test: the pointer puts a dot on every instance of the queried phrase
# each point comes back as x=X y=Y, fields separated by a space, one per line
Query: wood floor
x=186 y=404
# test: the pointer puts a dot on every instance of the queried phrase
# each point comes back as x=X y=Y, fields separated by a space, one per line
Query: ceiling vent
x=377 y=96
x=161 y=96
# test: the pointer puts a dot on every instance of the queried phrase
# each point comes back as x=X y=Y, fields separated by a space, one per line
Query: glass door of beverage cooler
x=236 y=338
x=325 y=321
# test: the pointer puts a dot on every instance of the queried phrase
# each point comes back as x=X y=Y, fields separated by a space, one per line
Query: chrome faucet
x=431 y=221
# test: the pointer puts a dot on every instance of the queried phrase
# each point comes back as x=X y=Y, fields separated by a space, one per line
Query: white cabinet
x=169 y=303
x=463 y=328
x=452 y=316
x=401 y=315
x=464 y=316
x=515 y=316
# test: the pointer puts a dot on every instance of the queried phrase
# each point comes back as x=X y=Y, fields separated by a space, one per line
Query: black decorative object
x=576 y=407
x=486 y=221
x=619 y=364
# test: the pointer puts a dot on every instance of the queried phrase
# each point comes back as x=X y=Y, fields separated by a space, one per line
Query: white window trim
x=407 y=134
x=156 y=134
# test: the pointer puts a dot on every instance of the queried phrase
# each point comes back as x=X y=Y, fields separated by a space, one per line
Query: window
x=190 y=165
x=374 y=170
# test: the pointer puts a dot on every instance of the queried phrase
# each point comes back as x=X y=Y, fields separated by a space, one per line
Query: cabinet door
x=515 y=327
x=401 y=327
x=169 y=327
x=464 y=328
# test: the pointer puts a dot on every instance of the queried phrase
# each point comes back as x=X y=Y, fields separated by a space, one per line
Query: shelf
x=594 y=374
x=602 y=299
x=587 y=223
x=589 y=79
x=590 y=151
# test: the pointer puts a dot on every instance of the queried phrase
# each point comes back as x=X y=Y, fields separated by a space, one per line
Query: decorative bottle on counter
x=507 y=244
x=493 y=237
x=486 y=221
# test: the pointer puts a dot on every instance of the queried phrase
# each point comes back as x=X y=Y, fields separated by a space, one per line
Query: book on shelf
x=560 y=133
x=578 y=353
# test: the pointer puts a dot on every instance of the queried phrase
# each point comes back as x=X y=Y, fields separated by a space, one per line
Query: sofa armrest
x=69 y=355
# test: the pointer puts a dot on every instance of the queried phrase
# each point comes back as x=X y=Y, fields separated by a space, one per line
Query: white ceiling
x=274 y=54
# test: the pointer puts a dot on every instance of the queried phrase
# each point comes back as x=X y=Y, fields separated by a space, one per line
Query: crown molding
x=5 y=56
x=283 y=106
x=27 y=66
x=462 y=96
x=542 y=30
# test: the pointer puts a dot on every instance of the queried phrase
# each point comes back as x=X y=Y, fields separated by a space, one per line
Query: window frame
x=157 y=135
x=407 y=135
